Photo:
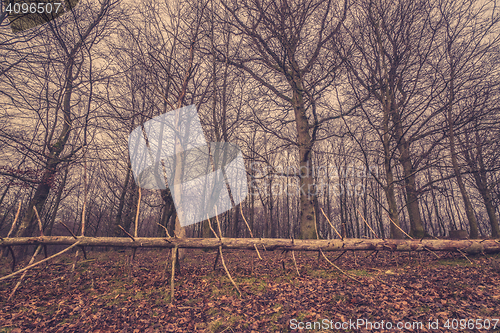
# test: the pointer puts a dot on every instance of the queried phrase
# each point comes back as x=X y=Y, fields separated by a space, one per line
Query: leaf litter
x=108 y=295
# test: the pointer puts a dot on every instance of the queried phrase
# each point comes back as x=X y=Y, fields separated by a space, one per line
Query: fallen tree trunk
x=270 y=244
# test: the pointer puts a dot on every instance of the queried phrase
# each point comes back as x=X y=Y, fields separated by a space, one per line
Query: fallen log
x=270 y=244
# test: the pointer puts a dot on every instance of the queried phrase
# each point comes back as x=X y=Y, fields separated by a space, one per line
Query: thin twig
x=331 y=224
x=15 y=220
x=434 y=253
x=244 y=219
x=397 y=226
x=376 y=236
x=137 y=213
x=250 y=230
x=125 y=231
x=39 y=221
x=340 y=255
x=213 y=231
x=12 y=227
x=339 y=269
x=39 y=262
x=218 y=223
x=295 y=263
x=172 y=277
x=222 y=257
x=24 y=274
x=71 y=232
x=465 y=256
x=166 y=230
x=227 y=271
x=258 y=253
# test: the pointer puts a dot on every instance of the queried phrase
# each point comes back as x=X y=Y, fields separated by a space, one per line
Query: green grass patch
x=323 y=274
x=277 y=312
x=47 y=309
x=193 y=301
x=256 y=285
x=424 y=309
x=224 y=322
x=337 y=298
x=302 y=316
x=359 y=272
x=70 y=319
x=454 y=262
x=7 y=329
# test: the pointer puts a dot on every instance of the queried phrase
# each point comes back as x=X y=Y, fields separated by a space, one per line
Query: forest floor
x=105 y=294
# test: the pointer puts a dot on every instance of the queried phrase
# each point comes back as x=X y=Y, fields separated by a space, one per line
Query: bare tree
x=391 y=43
x=480 y=145
x=59 y=69
x=470 y=36
x=282 y=46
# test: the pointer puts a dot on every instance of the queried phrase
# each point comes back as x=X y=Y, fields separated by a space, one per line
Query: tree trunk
x=471 y=217
x=207 y=232
x=389 y=189
x=485 y=191
x=306 y=218
x=131 y=208
x=236 y=220
x=271 y=244
x=417 y=229
x=469 y=211
x=45 y=185
x=58 y=201
x=488 y=202
x=39 y=198
x=117 y=231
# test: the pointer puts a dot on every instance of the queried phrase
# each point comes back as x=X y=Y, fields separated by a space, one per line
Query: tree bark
x=389 y=189
x=306 y=181
x=43 y=189
x=168 y=212
x=469 y=211
x=58 y=201
x=271 y=244
x=274 y=38
x=482 y=185
x=417 y=229
x=117 y=231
